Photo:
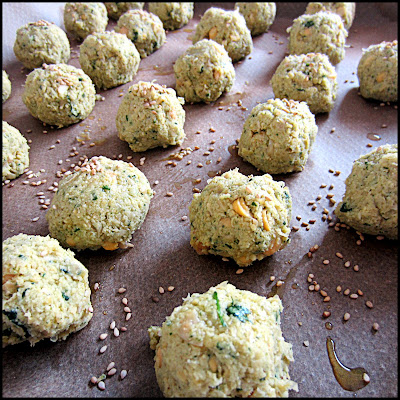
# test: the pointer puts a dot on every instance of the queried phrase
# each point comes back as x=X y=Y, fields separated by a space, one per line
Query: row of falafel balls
x=245 y=218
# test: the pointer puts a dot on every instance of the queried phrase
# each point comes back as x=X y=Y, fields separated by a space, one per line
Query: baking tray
x=162 y=256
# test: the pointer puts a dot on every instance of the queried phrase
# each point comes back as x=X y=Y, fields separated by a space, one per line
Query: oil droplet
x=295 y=286
x=373 y=136
x=351 y=379
x=328 y=326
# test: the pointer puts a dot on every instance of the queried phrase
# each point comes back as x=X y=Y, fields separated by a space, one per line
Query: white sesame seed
x=239 y=271
x=112 y=325
x=124 y=373
x=124 y=301
x=116 y=332
x=96 y=286
x=121 y=290
x=112 y=372
x=128 y=317
x=366 y=377
x=93 y=379
x=103 y=349
x=127 y=309
x=111 y=365
x=161 y=290
x=369 y=304
x=346 y=316
x=103 y=336
x=101 y=385
x=306 y=343
x=124 y=329
x=35 y=219
x=170 y=288
x=90 y=309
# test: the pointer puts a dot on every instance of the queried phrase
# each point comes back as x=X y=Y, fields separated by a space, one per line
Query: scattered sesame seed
x=326 y=262
x=103 y=336
x=326 y=314
x=112 y=325
x=103 y=349
x=35 y=219
x=326 y=299
x=279 y=283
x=170 y=288
x=338 y=289
x=128 y=316
x=121 y=290
x=93 y=379
x=169 y=194
x=298 y=217
x=184 y=218
x=375 y=326
x=111 y=365
x=323 y=293
x=306 y=343
x=101 y=385
x=366 y=378
x=311 y=288
x=199 y=165
x=369 y=304
x=116 y=332
x=354 y=296
x=356 y=268
x=272 y=278
x=124 y=373
x=123 y=329
x=295 y=228
x=317 y=287
x=112 y=372
x=339 y=255
x=380 y=237
x=239 y=271
x=346 y=316
x=161 y=290
x=347 y=264
x=127 y=309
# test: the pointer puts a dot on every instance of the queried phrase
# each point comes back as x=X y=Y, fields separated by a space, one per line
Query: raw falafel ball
x=46 y=293
x=204 y=72
x=278 y=135
x=225 y=342
x=370 y=202
x=173 y=15
x=243 y=217
x=100 y=205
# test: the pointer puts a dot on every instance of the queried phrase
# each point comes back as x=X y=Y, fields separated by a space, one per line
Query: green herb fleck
x=105 y=187
x=215 y=297
x=345 y=208
x=309 y=23
x=66 y=298
x=238 y=311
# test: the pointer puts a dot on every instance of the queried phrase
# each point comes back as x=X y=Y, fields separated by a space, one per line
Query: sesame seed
x=326 y=262
x=356 y=268
x=199 y=165
x=112 y=372
x=339 y=255
x=121 y=290
x=312 y=221
x=101 y=385
x=366 y=378
x=116 y=332
x=369 y=304
x=103 y=349
x=124 y=373
x=375 y=326
x=35 y=219
x=112 y=325
x=90 y=309
x=123 y=329
x=161 y=290
x=127 y=309
x=184 y=218
x=239 y=271
x=347 y=264
x=326 y=299
x=169 y=194
x=380 y=237
x=93 y=379
x=311 y=288
x=354 y=296
x=346 y=292
x=298 y=217
x=323 y=293
x=326 y=314
x=338 y=289
x=279 y=283
x=111 y=365
x=346 y=316
x=103 y=336
x=306 y=343
x=128 y=316
x=295 y=228
x=358 y=242
x=272 y=278
x=323 y=185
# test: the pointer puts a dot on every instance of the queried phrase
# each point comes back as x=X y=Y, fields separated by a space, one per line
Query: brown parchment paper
x=162 y=256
